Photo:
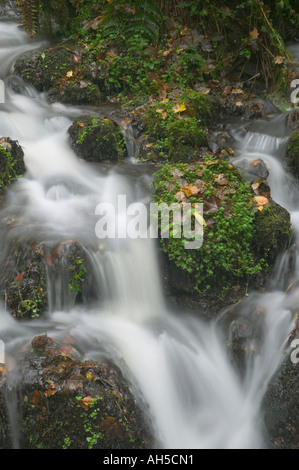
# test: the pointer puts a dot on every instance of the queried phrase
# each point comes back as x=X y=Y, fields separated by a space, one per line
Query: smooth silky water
x=179 y=363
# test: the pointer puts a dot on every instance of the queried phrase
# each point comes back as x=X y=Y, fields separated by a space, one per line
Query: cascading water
x=179 y=363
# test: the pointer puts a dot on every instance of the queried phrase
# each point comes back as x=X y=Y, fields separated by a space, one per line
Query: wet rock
x=37 y=277
x=292 y=154
x=281 y=408
x=42 y=68
x=9 y=9
x=252 y=170
x=273 y=232
x=56 y=71
x=64 y=402
x=96 y=139
x=12 y=163
x=74 y=93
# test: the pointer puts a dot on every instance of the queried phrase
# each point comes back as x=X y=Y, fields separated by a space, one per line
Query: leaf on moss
x=179 y=108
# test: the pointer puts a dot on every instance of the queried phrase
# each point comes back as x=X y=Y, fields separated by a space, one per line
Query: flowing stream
x=180 y=364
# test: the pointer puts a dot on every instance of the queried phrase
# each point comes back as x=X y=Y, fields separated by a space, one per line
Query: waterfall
x=180 y=363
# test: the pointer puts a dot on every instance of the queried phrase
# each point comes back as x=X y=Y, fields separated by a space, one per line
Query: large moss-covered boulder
x=12 y=163
x=292 y=154
x=243 y=232
x=96 y=139
x=66 y=403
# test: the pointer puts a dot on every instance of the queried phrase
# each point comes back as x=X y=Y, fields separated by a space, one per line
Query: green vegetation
x=226 y=253
x=8 y=172
x=141 y=47
x=77 y=276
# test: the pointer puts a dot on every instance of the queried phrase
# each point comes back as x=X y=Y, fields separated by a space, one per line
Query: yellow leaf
x=69 y=73
x=179 y=108
x=199 y=218
x=260 y=208
x=254 y=34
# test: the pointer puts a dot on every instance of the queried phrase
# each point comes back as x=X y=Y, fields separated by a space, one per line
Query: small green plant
x=78 y=273
x=90 y=415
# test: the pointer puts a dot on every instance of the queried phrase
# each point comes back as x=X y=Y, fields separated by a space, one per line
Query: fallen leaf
x=179 y=108
x=90 y=376
x=70 y=73
x=48 y=393
x=35 y=397
x=190 y=190
x=261 y=200
x=279 y=60
x=254 y=34
x=19 y=277
x=112 y=428
x=199 y=218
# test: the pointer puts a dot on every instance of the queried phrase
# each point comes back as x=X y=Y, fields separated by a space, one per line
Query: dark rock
x=11 y=162
x=37 y=277
x=55 y=71
x=292 y=154
x=281 y=408
x=273 y=232
x=9 y=9
x=252 y=170
x=63 y=402
x=96 y=139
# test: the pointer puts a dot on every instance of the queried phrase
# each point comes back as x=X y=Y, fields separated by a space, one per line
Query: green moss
x=201 y=104
x=273 y=231
x=183 y=138
x=97 y=139
x=176 y=126
x=8 y=171
x=226 y=253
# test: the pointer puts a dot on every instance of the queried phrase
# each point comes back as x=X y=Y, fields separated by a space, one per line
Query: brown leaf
x=19 y=277
x=35 y=397
x=49 y=392
x=112 y=428
x=190 y=190
x=254 y=34
x=279 y=60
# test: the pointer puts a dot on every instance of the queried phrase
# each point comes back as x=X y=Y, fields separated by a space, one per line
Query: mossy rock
x=12 y=163
x=240 y=243
x=97 y=139
x=56 y=72
x=178 y=135
x=37 y=277
x=201 y=105
x=292 y=154
x=71 y=92
x=64 y=402
x=184 y=138
x=273 y=232
x=44 y=68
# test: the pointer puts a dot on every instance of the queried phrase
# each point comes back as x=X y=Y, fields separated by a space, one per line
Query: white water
x=180 y=364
